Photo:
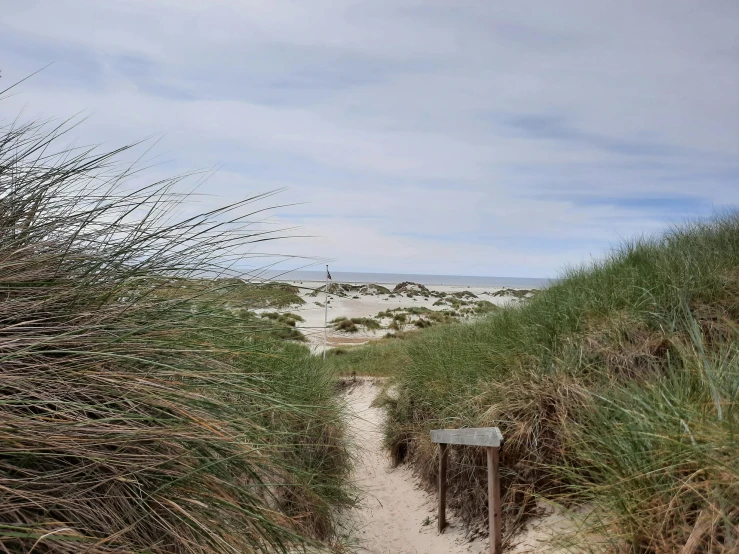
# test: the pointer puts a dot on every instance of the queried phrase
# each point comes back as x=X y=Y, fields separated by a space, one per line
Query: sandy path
x=395 y=515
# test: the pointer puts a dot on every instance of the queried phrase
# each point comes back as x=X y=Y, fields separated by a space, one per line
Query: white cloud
x=430 y=136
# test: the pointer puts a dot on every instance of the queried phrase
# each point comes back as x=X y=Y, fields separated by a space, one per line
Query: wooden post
x=442 y=486
x=496 y=546
x=491 y=439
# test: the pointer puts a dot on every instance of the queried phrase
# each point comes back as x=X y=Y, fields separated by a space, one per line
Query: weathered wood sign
x=491 y=439
x=480 y=436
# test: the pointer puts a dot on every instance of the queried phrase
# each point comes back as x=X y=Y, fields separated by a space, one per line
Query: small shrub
x=347 y=326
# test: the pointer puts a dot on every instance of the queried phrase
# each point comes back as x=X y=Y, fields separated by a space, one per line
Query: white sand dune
x=367 y=306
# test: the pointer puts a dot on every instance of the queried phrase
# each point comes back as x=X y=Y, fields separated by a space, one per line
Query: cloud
x=424 y=136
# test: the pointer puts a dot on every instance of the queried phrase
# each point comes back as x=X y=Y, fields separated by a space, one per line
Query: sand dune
x=357 y=305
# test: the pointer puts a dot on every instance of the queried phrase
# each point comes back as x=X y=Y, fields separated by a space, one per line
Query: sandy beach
x=358 y=304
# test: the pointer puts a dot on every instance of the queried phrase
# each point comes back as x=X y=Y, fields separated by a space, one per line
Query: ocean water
x=394 y=278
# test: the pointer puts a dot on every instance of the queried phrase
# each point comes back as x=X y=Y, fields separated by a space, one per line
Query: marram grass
x=138 y=414
x=616 y=389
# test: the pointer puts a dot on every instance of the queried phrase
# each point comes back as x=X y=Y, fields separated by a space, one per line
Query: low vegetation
x=411 y=289
x=463 y=295
x=516 y=293
x=348 y=289
x=616 y=389
x=280 y=325
x=276 y=296
x=378 y=358
x=373 y=289
x=234 y=293
x=142 y=408
x=423 y=317
x=352 y=325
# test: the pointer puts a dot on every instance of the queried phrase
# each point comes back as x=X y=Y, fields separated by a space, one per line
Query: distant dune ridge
x=356 y=277
x=363 y=312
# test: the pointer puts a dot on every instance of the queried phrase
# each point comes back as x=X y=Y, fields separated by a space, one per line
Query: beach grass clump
x=464 y=295
x=347 y=326
x=484 y=307
x=453 y=302
x=411 y=289
x=287 y=332
x=139 y=413
x=369 y=323
x=660 y=461
x=377 y=358
x=373 y=289
x=516 y=293
x=425 y=317
x=336 y=289
x=285 y=318
x=615 y=388
x=237 y=292
x=352 y=325
x=274 y=295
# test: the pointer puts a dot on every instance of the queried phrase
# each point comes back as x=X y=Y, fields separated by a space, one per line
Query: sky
x=412 y=136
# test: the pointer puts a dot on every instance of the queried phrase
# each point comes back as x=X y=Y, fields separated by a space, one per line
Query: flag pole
x=325 y=318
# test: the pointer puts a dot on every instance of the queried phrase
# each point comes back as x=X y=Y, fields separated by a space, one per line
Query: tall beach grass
x=139 y=414
x=615 y=388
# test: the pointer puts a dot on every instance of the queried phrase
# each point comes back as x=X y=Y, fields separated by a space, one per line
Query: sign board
x=480 y=436
x=490 y=438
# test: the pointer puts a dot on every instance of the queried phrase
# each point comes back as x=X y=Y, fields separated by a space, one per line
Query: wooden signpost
x=492 y=440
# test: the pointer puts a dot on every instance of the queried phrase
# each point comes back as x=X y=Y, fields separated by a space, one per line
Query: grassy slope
x=137 y=415
x=615 y=388
x=378 y=358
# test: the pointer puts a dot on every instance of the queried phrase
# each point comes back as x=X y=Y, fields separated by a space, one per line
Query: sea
x=394 y=278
